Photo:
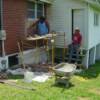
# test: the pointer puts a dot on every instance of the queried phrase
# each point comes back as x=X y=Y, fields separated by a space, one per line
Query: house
x=14 y=15
x=65 y=15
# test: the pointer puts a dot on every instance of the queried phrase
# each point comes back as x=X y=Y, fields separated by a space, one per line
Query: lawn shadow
x=14 y=77
x=92 y=72
x=63 y=86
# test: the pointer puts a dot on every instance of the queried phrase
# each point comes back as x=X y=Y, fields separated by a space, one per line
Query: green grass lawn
x=85 y=86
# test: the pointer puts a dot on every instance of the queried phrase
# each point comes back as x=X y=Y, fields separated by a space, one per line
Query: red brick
x=14 y=16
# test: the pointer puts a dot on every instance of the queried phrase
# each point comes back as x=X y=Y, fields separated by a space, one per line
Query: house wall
x=60 y=18
x=94 y=31
x=14 y=15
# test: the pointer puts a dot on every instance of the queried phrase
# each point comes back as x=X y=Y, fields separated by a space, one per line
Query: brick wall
x=14 y=23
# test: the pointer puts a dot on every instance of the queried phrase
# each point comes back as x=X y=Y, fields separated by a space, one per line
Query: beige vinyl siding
x=59 y=15
x=94 y=30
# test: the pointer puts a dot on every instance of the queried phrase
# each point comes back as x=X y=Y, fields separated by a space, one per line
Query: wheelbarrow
x=64 y=72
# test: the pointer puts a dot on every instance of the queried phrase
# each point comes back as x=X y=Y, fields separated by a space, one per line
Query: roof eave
x=92 y=4
x=47 y=1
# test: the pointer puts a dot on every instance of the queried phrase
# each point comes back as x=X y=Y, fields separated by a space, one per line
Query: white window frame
x=32 y=10
x=42 y=8
x=36 y=3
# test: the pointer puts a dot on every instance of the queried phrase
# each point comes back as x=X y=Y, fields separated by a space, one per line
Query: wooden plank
x=36 y=37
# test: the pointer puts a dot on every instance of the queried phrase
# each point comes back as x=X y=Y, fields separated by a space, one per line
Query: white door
x=79 y=20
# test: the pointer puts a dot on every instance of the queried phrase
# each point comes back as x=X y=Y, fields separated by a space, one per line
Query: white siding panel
x=59 y=15
x=94 y=31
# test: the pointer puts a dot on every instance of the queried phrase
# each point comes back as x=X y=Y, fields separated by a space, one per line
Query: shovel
x=14 y=85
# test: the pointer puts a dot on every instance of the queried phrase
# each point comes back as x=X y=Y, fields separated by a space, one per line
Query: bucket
x=28 y=76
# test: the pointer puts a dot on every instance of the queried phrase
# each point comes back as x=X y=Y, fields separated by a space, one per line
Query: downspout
x=2 y=29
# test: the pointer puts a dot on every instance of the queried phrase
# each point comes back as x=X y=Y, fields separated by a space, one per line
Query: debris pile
x=3 y=75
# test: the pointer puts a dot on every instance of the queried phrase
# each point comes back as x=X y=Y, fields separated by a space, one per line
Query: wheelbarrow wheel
x=67 y=84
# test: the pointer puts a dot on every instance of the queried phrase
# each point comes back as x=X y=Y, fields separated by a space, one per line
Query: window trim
x=36 y=3
x=29 y=9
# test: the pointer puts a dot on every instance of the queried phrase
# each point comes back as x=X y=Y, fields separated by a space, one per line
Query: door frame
x=72 y=14
x=72 y=18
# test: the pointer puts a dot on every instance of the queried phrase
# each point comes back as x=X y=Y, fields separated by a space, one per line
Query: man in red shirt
x=77 y=37
x=76 y=43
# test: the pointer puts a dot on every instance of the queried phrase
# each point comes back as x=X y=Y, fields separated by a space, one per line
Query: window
x=40 y=10
x=31 y=10
x=96 y=19
x=35 y=9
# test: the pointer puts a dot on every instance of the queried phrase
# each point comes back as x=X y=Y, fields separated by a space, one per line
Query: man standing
x=42 y=26
x=76 y=43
